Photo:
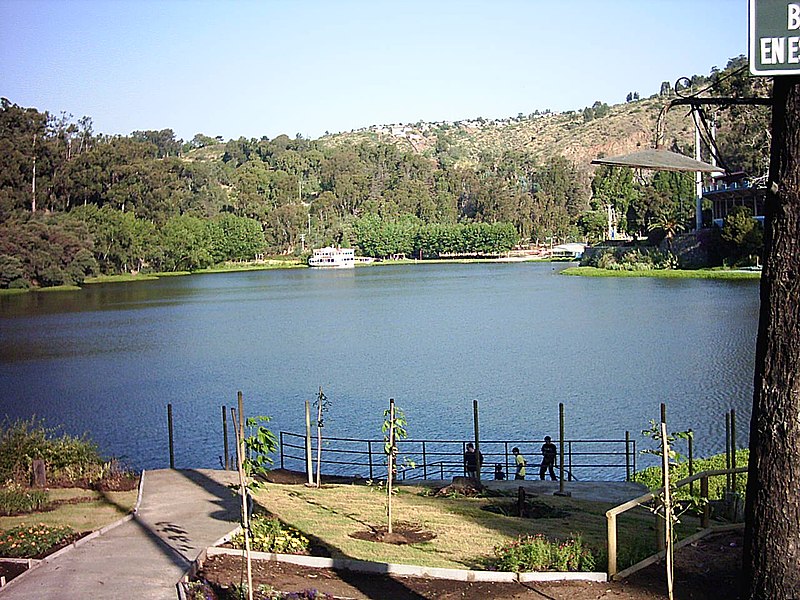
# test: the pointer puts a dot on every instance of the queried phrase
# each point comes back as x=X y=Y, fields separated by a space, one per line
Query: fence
x=443 y=459
x=705 y=519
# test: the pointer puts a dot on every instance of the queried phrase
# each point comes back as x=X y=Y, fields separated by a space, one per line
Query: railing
x=705 y=519
x=443 y=459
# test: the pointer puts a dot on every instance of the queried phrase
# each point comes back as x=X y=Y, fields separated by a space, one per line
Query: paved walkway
x=181 y=513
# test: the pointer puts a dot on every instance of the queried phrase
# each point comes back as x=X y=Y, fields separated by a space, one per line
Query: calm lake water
x=519 y=338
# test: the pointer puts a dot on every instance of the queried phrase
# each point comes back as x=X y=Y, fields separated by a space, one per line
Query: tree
x=772 y=514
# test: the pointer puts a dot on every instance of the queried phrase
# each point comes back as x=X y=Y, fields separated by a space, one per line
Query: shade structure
x=658 y=160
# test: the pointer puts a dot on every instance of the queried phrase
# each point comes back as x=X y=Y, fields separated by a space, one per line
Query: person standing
x=519 y=460
x=549 y=453
x=472 y=461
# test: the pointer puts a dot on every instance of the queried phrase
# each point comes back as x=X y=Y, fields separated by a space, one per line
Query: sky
x=264 y=68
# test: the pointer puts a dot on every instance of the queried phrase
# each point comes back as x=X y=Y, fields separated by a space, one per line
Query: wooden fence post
x=733 y=449
x=478 y=460
x=705 y=518
x=171 y=437
x=611 y=533
x=227 y=461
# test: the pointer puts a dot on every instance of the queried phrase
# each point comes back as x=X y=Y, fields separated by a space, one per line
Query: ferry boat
x=333 y=258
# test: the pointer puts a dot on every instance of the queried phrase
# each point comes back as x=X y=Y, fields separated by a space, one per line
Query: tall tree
x=772 y=524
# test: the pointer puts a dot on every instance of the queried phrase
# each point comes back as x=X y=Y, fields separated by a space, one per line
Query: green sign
x=774 y=30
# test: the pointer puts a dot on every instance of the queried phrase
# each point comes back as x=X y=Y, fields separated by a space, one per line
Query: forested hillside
x=74 y=202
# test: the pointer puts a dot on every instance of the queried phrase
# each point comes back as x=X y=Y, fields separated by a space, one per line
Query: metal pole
x=477 y=439
x=171 y=438
x=369 y=452
x=225 y=437
x=281 y=445
x=569 y=471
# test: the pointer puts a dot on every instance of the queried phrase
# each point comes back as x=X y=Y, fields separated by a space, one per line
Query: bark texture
x=772 y=530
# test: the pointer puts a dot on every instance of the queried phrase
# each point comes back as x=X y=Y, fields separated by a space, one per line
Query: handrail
x=611 y=514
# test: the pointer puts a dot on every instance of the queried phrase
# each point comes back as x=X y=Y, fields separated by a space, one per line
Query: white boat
x=333 y=258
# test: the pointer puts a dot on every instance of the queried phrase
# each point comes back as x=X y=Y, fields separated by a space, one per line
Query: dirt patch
x=9 y=569
x=402 y=533
x=706 y=570
x=531 y=509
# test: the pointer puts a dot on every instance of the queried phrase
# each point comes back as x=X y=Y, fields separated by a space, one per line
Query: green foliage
x=259 y=444
x=65 y=456
x=537 y=553
x=652 y=477
x=268 y=534
x=742 y=236
x=639 y=258
x=29 y=541
x=16 y=499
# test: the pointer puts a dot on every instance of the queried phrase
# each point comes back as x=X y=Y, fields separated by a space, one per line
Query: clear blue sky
x=247 y=68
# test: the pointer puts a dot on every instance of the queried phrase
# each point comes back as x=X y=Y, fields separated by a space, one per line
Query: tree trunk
x=772 y=531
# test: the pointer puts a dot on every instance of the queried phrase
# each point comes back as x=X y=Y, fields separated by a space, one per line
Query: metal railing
x=443 y=459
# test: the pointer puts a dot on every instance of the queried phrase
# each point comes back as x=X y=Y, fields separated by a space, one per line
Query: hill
x=620 y=129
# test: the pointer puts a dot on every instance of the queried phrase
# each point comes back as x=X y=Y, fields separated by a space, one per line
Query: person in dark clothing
x=472 y=461
x=549 y=452
x=499 y=474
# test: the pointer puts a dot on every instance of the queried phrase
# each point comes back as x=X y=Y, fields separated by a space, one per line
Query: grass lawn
x=664 y=273
x=100 y=509
x=465 y=534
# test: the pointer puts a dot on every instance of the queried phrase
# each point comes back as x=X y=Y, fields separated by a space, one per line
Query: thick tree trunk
x=772 y=531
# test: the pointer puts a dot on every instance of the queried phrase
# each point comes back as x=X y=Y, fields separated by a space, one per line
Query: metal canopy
x=658 y=160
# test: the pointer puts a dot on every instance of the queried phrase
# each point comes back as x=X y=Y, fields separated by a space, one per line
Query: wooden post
x=561 y=447
x=727 y=450
x=705 y=519
x=611 y=535
x=691 y=461
x=369 y=452
x=667 y=508
x=309 y=460
x=733 y=449
x=171 y=437
x=521 y=502
x=391 y=463
x=243 y=493
x=627 y=456
x=39 y=473
x=241 y=420
x=227 y=461
x=478 y=461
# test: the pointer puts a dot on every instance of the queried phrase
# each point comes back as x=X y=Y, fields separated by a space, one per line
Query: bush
x=651 y=477
x=537 y=553
x=268 y=534
x=15 y=499
x=66 y=457
x=28 y=541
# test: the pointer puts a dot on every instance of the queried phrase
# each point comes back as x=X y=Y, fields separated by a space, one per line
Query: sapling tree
x=394 y=428
x=259 y=444
x=322 y=404
x=665 y=508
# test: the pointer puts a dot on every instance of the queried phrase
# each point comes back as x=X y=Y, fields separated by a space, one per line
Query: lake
x=518 y=337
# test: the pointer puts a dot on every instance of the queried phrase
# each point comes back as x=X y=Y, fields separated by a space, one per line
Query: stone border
x=34 y=563
x=364 y=566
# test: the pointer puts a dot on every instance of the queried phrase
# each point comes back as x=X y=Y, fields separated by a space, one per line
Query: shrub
x=537 y=553
x=66 y=457
x=28 y=541
x=651 y=477
x=15 y=499
x=268 y=534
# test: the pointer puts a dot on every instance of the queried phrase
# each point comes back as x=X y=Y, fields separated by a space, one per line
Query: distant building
x=734 y=189
x=572 y=250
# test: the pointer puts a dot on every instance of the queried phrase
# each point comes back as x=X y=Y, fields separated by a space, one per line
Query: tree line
x=74 y=202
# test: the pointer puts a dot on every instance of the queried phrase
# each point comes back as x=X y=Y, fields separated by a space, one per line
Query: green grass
x=664 y=273
x=96 y=510
x=124 y=277
x=466 y=535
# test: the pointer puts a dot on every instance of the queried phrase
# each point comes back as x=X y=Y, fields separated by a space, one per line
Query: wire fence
x=583 y=460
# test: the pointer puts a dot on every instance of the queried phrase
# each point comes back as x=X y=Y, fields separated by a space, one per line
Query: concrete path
x=181 y=513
